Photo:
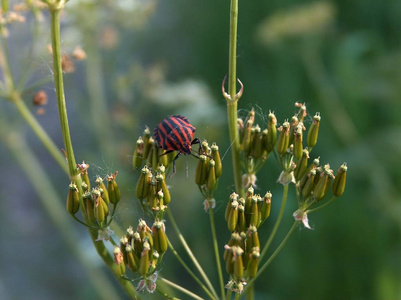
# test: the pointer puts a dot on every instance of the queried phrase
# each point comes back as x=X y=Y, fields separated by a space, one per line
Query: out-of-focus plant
x=138 y=255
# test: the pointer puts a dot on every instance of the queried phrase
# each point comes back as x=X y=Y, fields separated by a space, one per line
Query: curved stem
x=321 y=206
x=232 y=104
x=190 y=254
x=278 y=221
x=180 y=288
x=180 y=260
x=216 y=253
x=273 y=256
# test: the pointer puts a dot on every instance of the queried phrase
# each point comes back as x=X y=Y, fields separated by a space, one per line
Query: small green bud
x=254 y=218
x=233 y=197
x=123 y=243
x=246 y=141
x=313 y=131
x=229 y=260
x=233 y=216
x=201 y=170
x=144 y=260
x=83 y=169
x=217 y=160
x=240 y=125
x=112 y=189
x=142 y=186
x=137 y=157
x=302 y=165
x=132 y=263
x=100 y=207
x=321 y=187
x=238 y=262
x=271 y=132
x=307 y=187
x=266 y=206
x=340 y=181
x=119 y=260
x=100 y=185
x=161 y=185
x=72 y=199
x=146 y=144
x=241 y=226
x=253 y=262
x=257 y=143
x=89 y=206
x=298 y=147
x=283 y=139
x=211 y=178
x=159 y=237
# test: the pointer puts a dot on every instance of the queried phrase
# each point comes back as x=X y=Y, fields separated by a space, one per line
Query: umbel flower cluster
x=245 y=213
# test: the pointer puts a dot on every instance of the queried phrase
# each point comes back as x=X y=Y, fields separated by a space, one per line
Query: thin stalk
x=321 y=206
x=232 y=104
x=39 y=131
x=216 y=252
x=180 y=288
x=277 y=224
x=190 y=254
x=273 y=256
x=229 y=293
x=181 y=261
x=59 y=86
x=50 y=201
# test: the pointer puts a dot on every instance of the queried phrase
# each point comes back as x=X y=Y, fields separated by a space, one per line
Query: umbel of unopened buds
x=94 y=203
x=208 y=171
x=141 y=251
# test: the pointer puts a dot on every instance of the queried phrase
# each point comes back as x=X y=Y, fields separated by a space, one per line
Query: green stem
x=278 y=221
x=321 y=206
x=180 y=288
x=190 y=254
x=39 y=131
x=181 y=261
x=216 y=252
x=232 y=104
x=273 y=256
x=229 y=293
x=59 y=85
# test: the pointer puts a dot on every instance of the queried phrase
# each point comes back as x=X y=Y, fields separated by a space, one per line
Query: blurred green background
x=149 y=59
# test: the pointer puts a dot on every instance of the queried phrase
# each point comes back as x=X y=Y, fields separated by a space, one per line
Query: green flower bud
x=119 y=260
x=211 y=178
x=233 y=216
x=298 y=147
x=72 y=199
x=246 y=142
x=89 y=206
x=83 y=169
x=283 y=139
x=257 y=143
x=201 y=170
x=132 y=263
x=253 y=261
x=229 y=260
x=313 y=131
x=266 y=206
x=254 y=218
x=146 y=144
x=144 y=260
x=240 y=125
x=293 y=125
x=100 y=207
x=159 y=237
x=217 y=160
x=271 y=132
x=100 y=185
x=112 y=189
x=241 y=226
x=161 y=185
x=233 y=197
x=137 y=157
x=309 y=183
x=302 y=165
x=340 y=181
x=323 y=183
x=302 y=111
x=142 y=186
x=123 y=243
x=238 y=263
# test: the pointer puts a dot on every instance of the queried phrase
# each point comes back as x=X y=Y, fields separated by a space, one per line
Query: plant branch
x=180 y=288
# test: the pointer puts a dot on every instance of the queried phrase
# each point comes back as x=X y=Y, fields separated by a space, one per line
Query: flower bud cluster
x=147 y=152
x=142 y=251
x=152 y=191
x=244 y=216
x=208 y=170
x=96 y=201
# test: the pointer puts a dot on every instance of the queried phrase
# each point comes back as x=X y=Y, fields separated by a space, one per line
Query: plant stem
x=59 y=86
x=216 y=252
x=277 y=224
x=273 y=256
x=232 y=104
x=180 y=288
x=321 y=206
x=190 y=254
x=180 y=260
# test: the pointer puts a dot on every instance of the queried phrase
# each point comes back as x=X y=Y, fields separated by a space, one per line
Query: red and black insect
x=175 y=133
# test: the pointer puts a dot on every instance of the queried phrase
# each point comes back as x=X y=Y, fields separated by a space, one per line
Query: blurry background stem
x=51 y=202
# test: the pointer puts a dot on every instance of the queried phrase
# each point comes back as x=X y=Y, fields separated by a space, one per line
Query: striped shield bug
x=176 y=133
